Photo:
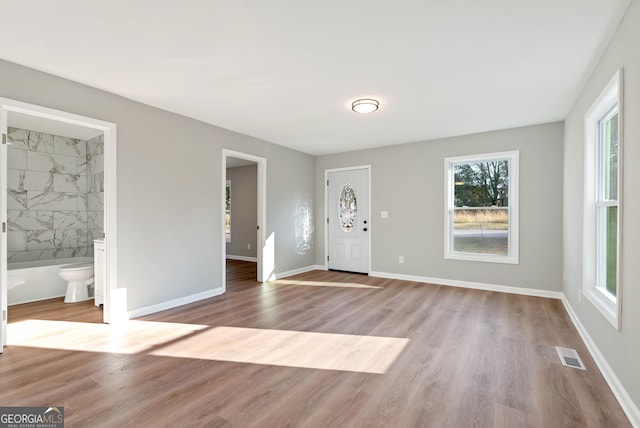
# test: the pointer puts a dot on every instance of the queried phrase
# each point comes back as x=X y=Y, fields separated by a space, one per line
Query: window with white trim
x=481 y=219
x=602 y=213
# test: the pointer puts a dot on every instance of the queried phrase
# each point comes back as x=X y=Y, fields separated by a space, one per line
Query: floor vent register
x=570 y=358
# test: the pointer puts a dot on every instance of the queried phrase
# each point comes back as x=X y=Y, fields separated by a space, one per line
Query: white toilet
x=79 y=276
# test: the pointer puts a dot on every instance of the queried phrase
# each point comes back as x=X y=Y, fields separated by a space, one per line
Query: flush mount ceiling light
x=365 y=105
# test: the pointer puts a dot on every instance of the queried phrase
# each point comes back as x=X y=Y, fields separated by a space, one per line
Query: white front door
x=348 y=220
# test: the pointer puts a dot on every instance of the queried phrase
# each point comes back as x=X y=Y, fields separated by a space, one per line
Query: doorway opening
x=245 y=249
x=57 y=186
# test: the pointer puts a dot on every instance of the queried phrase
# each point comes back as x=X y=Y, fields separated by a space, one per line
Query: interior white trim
x=170 y=304
x=611 y=96
x=513 y=257
x=110 y=183
x=326 y=211
x=265 y=256
x=627 y=404
x=472 y=285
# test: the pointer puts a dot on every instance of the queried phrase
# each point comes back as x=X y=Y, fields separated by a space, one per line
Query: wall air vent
x=570 y=358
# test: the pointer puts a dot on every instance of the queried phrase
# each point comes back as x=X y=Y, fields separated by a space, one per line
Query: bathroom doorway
x=244 y=219
x=57 y=191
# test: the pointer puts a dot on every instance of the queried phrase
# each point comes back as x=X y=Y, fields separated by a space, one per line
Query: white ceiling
x=286 y=71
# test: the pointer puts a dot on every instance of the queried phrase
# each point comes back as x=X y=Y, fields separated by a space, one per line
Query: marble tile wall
x=95 y=188
x=55 y=195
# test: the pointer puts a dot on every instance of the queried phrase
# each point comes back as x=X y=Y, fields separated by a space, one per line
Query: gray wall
x=169 y=201
x=244 y=206
x=408 y=181
x=620 y=348
x=295 y=174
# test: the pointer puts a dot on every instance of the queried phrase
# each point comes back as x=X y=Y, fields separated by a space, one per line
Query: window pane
x=483 y=231
x=612 y=249
x=481 y=213
x=610 y=158
x=607 y=219
x=607 y=248
x=482 y=184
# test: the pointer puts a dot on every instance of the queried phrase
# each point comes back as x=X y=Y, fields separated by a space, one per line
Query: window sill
x=488 y=258
x=605 y=304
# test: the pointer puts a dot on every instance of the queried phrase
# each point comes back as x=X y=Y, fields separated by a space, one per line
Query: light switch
x=384 y=214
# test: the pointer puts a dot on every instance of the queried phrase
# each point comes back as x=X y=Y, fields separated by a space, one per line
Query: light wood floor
x=321 y=349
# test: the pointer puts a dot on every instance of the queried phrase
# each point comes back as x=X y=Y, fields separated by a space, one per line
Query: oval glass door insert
x=348 y=207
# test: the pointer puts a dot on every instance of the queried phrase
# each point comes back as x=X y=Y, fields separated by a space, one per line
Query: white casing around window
x=513 y=234
x=608 y=305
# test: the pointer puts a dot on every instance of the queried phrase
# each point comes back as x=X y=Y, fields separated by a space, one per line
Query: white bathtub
x=39 y=280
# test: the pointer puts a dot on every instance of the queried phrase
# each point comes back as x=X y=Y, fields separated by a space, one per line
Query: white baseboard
x=243 y=258
x=135 y=313
x=297 y=271
x=473 y=285
x=39 y=299
x=627 y=404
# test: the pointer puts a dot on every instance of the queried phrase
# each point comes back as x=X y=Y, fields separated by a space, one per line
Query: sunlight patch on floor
x=129 y=337
x=326 y=351
x=322 y=284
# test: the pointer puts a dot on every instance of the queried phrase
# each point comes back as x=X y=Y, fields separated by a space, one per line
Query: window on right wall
x=602 y=201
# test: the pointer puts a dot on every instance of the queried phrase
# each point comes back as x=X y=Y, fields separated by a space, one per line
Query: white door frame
x=326 y=212
x=265 y=254
x=109 y=130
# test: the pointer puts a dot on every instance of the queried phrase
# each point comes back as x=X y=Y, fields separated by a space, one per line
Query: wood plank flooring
x=321 y=349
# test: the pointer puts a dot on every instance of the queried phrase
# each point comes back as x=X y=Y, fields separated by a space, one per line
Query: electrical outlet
x=401 y=259
x=248 y=246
